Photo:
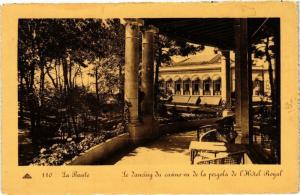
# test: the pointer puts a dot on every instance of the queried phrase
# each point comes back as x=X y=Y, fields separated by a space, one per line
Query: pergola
x=225 y=33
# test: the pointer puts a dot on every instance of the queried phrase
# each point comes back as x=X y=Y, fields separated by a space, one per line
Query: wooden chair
x=205 y=130
x=221 y=131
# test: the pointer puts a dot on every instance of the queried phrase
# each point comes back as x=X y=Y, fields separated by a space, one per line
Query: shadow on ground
x=168 y=149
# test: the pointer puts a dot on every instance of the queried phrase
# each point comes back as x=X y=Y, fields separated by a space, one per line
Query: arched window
x=178 y=87
x=195 y=87
x=206 y=86
x=217 y=86
x=186 y=87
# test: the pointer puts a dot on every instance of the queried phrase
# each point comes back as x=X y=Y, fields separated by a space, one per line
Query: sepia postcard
x=149 y=98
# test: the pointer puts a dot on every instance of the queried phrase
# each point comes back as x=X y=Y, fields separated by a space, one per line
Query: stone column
x=201 y=87
x=223 y=77
x=226 y=85
x=174 y=87
x=242 y=76
x=147 y=86
x=211 y=87
x=181 y=87
x=131 y=75
x=149 y=129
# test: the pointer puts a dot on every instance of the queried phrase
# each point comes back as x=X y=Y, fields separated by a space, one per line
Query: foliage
x=166 y=48
x=53 y=58
x=60 y=153
x=264 y=48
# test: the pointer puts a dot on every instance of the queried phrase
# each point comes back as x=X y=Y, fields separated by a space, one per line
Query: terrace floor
x=168 y=149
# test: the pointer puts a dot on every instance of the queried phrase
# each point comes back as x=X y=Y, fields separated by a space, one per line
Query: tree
x=27 y=64
x=59 y=49
x=264 y=48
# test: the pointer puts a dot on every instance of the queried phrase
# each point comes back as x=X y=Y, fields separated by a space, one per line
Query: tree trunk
x=70 y=75
x=40 y=100
x=67 y=95
x=21 y=100
x=98 y=96
x=60 y=62
x=75 y=128
x=56 y=64
x=32 y=105
x=65 y=74
x=97 y=84
x=77 y=71
x=54 y=81
x=42 y=81
x=82 y=84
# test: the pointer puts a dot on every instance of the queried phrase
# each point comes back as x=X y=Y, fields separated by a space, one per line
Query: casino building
x=194 y=76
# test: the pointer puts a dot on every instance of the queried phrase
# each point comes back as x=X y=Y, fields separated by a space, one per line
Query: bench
x=197 y=104
x=196 y=100
x=210 y=100
x=180 y=99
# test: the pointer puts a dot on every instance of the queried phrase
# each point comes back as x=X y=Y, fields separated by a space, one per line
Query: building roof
x=206 y=56
x=199 y=59
x=205 y=60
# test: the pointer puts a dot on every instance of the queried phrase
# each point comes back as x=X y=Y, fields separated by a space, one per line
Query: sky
x=205 y=55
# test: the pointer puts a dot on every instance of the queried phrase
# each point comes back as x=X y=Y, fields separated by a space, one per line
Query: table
x=214 y=148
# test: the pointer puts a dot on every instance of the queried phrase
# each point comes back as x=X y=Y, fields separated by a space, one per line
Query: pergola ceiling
x=218 y=32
